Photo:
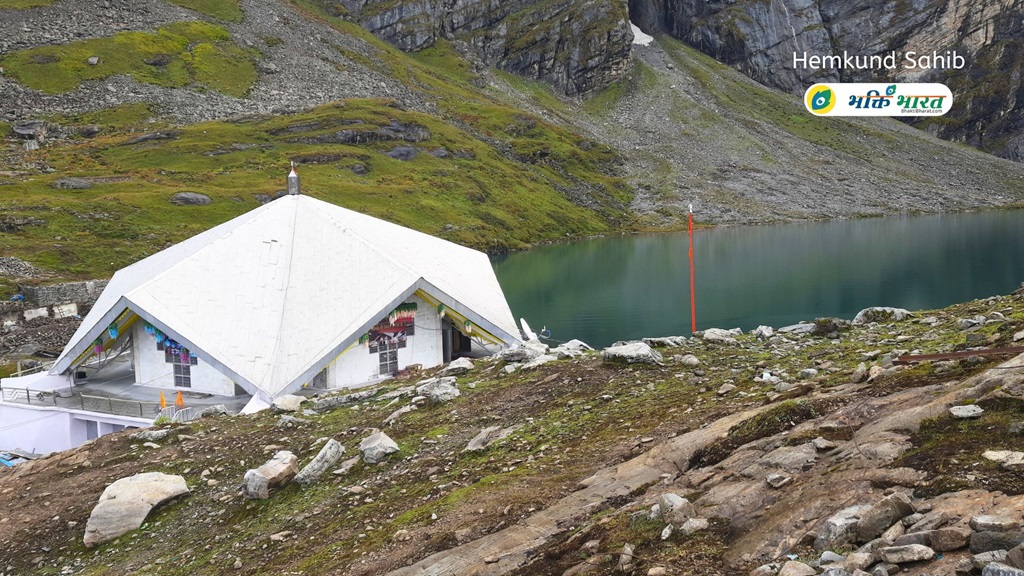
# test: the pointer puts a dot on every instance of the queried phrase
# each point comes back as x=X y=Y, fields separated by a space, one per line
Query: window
x=388 y=360
x=182 y=375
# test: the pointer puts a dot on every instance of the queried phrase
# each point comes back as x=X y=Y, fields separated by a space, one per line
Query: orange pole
x=163 y=401
x=179 y=401
x=693 y=295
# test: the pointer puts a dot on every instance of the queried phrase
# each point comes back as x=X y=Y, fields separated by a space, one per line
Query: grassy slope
x=577 y=416
x=506 y=183
x=175 y=55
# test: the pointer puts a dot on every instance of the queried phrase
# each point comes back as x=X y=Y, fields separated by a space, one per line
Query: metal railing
x=72 y=401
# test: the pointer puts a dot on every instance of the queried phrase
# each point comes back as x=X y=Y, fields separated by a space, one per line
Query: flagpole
x=693 y=296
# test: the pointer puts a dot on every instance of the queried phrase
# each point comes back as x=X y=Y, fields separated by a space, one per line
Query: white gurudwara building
x=298 y=293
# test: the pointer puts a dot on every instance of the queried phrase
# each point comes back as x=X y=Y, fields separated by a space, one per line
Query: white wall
x=358 y=366
x=151 y=369
x=45 y=430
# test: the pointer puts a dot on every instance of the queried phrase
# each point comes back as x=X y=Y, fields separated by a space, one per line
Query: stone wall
x=79 y=292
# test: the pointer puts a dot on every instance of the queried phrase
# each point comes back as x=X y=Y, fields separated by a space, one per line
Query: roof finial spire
x=293 y=181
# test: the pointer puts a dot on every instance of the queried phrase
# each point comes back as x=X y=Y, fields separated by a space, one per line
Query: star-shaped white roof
x=272 y=296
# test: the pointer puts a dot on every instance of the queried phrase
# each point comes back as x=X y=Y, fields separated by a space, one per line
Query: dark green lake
x=628 y=287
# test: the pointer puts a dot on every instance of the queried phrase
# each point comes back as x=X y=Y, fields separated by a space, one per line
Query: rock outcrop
x=760 y=38
x=577 y=45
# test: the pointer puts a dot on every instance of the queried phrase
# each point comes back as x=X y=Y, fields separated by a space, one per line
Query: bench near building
x=298 y=293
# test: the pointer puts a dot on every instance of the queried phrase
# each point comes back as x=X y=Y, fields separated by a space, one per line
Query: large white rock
x=457 y=367
x=632 y=353
x=328 y=455
x=275 y=473
x=438 y=389
x=376 y=447
x=287 y=403
x=720 y=336
x=124 y=505
x=968 y=411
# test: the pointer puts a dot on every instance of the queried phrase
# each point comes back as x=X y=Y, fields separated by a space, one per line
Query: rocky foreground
x=810 y=449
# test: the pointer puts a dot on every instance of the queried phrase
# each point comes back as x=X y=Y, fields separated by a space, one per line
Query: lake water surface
x=628 y=287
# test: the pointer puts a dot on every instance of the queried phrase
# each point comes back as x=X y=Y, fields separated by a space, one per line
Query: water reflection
x=628 y=287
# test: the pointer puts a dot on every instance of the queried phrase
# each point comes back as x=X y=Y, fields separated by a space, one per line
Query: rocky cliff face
x=760 y=36
x=578 y=45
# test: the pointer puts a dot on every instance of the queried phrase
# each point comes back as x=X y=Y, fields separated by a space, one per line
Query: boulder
x=190 y=199
x=966 y=412
x=519 y=354
x=694 y=525
x=404 y=153
x=807 y=373
x=287 y=403
x=438 y=389
x=830 y=557
x=858 y=561
x=840 y=529
x=376 y=447
x=997 y=569
x=1009 y=459
x=690 y=360
x=326 y=458
x=991 y=523
x=903 y=554
x=457 y=367
x=947 y=539
x=72 y=184
x=1015 y=557
x=719 y=336
x=272 y=475
x=215 y=410
x=762 y=332
x=631 y=353
x=124 y=505
x=676 y=509
x=979 y=561
x=489 y=436
x=881 y=314
x=882 y=515
x=988 y=541
x=152 y=435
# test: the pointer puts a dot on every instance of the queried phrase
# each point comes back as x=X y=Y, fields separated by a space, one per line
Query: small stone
x=694 y=525
x=822 y=444
x=830 y=557
x=657 y=571
x=93 y=60
x=725 y=389
x=794 y=568
x=238 y=564
x=778 y=480
x=690 y=360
